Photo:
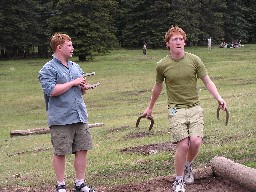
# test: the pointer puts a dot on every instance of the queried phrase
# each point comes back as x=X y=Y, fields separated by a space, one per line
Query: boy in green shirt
x=180 y=71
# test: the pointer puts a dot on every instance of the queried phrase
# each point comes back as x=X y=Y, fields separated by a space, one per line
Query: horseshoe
x=89 y=74
x=227 y=115
x=91 y=86
x=150 y=118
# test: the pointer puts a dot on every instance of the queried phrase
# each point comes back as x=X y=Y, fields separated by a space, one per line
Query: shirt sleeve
x=159 y=75
x=47 y=77
x=201 y=70
x=79 y=68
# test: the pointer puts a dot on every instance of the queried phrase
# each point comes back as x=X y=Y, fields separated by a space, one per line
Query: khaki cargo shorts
x=67 y=139
x=186 y=122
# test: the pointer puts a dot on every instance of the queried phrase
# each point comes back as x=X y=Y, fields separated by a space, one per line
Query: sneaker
x=60 y=188
x=178 y=186
x=188 y=175
x=83 y=188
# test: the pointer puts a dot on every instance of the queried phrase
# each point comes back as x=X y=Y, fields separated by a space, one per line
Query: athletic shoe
x=188 y=175
x=60 y=188
x=83 y=188
x=178 y=186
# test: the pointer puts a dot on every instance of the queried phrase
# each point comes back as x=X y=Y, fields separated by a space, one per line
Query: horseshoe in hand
x=227 y=115
x=150 y=118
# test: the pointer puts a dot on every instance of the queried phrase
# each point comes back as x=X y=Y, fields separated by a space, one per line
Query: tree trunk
x=82 y=57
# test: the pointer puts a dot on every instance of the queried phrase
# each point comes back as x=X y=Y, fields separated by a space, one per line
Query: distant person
x=63 y=86
x=239 y=43
x=180 y=71
x=209 y=43
x=223 y=44
x=145 y=48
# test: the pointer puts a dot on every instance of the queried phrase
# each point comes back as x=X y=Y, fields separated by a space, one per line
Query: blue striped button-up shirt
x=69 y=107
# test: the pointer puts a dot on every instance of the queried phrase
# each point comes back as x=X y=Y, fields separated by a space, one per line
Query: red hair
x=58 y=39
x=174 y=31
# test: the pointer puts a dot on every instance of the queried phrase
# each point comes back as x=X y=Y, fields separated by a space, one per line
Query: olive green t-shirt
x=180 y=77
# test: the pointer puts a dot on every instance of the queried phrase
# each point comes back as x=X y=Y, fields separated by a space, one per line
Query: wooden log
x=37 y=131
x=241 y=174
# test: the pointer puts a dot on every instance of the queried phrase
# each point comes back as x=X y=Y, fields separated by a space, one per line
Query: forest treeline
x=98 y=26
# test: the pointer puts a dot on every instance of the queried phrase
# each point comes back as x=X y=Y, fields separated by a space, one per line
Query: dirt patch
x=144 y=134
x=151 y=148
x=29 y=151
x=161 y=184
x=205 y=181
x=164 y=184
x=123 y=128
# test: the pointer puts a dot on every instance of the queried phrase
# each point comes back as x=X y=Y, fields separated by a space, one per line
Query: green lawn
x=126 y=78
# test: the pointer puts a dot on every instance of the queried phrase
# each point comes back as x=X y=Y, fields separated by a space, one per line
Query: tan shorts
x=67 y=139
x=186 y=122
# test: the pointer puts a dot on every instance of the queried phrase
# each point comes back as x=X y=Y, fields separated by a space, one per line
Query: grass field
x=126 y=78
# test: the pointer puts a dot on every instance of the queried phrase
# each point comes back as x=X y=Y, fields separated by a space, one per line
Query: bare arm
x=157 y=88
x=62 y=88
x=213 y=90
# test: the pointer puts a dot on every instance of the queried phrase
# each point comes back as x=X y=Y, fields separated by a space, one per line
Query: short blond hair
x=174 y=30
x=58 y=39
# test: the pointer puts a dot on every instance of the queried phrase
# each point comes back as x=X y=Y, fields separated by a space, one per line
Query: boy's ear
x=58 y=47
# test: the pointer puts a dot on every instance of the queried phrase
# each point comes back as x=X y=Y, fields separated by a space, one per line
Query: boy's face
x=66 y=49
x=176 y=44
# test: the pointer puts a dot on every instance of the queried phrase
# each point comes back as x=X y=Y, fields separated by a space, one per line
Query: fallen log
x=37 y=131
x=236 y=172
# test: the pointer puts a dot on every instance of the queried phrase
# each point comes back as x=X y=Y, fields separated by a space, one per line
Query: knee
x=183 y=145
x=196 y=141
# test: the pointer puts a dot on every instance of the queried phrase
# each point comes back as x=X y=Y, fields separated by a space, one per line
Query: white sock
x=188 y=163
x=179 y=178
x=60 y=183
x=79 y=182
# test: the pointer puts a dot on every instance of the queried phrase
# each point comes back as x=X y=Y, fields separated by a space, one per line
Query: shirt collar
x=57 y=60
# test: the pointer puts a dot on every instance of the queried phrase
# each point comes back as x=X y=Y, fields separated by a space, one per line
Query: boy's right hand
x=147 y=113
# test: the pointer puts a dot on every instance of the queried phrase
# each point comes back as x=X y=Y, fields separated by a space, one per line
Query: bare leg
x=180 y=156
x=58 y=162
x=194 y=147
x=80 y=164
